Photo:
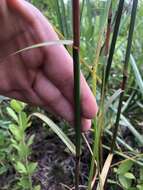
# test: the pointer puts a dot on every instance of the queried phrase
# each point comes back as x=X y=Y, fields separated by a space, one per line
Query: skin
x=42 y=76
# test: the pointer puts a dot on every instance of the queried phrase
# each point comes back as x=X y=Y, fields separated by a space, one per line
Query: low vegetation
x=37 y=150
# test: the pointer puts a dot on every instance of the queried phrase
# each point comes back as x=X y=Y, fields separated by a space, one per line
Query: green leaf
x=13 y=141
x=132 y=188
x=17 y=105
x=129 y=175
x=12 y=114
x=112 y=99
x=2 y=139
x=20 y=168
x=141 y=174
x=140 y=187
x=14 y=129
x=138 y=77
x=24 y=150
x=3 y=169
x=37 y=187
x=58 y=131
x=24 y=182
x=30 y=140
x=32 y=167
x=125 y=182
x=23 y=120
x=16 y=147
x=2 y=155
x=124 y=167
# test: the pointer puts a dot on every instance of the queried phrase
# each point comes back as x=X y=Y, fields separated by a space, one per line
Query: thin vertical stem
x=59 y=16
x=108 y=33
x=82 y=8
x=64 y=19
x=125 y=70
x=111 y=52
x=76 y=49
x=114 y=39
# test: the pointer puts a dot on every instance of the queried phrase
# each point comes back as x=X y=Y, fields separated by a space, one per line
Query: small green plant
x=126 y=177
x=4 y=151
x=21 y=146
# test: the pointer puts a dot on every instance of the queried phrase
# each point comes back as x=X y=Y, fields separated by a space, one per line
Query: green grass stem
x=125 y=71
x=59 y=16
x=114 y=40
x=76 y=49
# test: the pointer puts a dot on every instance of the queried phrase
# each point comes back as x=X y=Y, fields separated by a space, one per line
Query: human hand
x=41 y=76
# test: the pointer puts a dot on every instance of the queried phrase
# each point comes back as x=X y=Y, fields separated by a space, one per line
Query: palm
x=42 y=76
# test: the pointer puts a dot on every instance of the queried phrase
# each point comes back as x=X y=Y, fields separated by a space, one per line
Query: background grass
x=126 y=170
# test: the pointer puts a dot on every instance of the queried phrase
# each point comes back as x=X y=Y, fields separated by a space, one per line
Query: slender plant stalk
x=111 y=54
x=82 y=8
x=76 y=49
x=98 y=121
x=114 y=39
x=125 y=70
x=64 y=19
x=108 y=33
x=94 y=157
x=109 y=62
x=60 y=21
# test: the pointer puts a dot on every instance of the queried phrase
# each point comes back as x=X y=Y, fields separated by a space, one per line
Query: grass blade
x=138 y=77
x=105 y=171
x=59 y=16
x=125 y=122
x=112 y=99
x=138 y=136
x=66 y=34
x=125 y=70
x=57 y=131
x=49 y=43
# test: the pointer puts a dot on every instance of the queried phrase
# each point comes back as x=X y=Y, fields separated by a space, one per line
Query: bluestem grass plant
x=76 y=62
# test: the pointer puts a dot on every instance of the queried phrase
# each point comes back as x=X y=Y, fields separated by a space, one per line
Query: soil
x=55 y=164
